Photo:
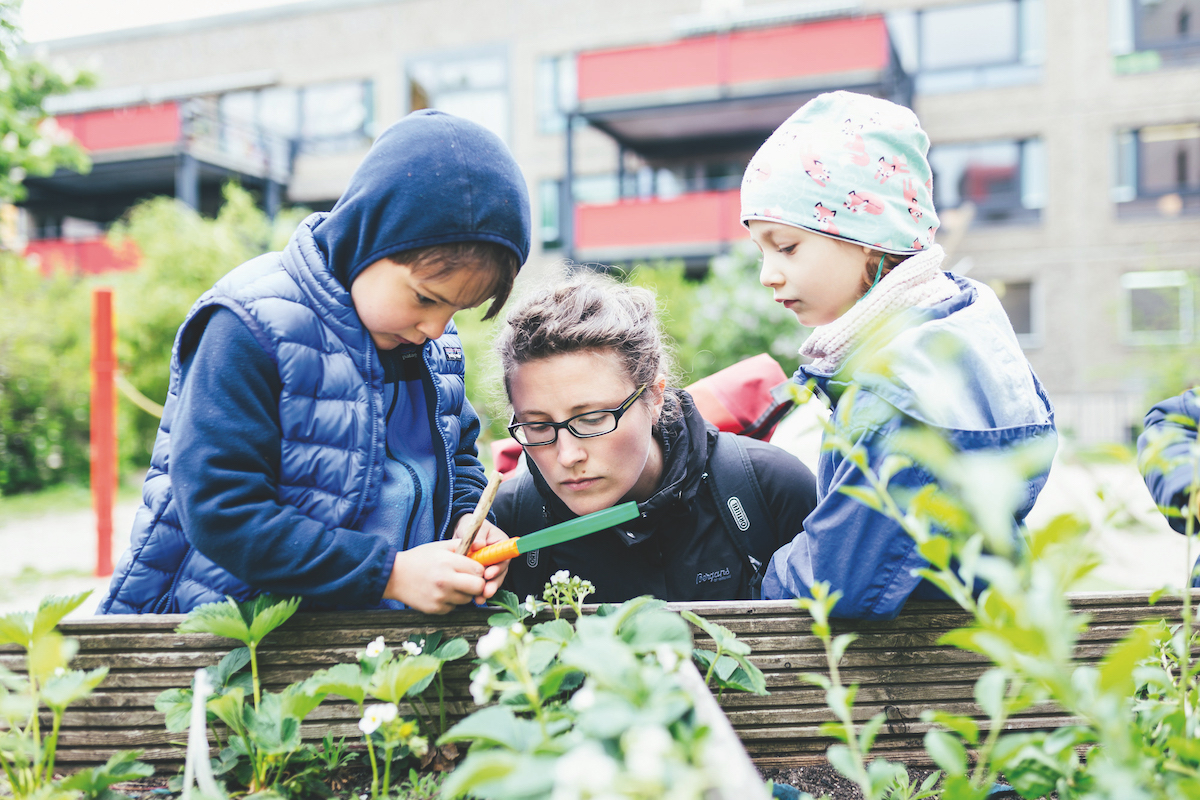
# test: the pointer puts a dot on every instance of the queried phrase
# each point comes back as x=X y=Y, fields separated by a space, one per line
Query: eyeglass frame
x=617 y=413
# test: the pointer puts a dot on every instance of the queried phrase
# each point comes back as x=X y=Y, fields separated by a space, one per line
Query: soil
x=823 y=780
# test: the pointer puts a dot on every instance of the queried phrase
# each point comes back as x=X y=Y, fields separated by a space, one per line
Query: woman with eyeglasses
x=588 y=378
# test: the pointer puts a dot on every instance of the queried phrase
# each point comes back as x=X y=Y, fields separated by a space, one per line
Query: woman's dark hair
x=590 y=312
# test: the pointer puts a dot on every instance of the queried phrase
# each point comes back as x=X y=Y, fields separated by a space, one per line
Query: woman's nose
x=569 y=449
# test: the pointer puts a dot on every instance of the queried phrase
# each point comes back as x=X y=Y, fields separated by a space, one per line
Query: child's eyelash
x=787 y=250
x=426 y=301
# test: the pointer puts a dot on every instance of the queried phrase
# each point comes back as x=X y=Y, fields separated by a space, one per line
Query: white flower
x=531 y=605
x=59 y=672
x=644 y=748
x=583 y=699
x=517 y=628
x=667 y=656
x=481 y=685
x=40 y=148
x=587 y=768
x=492 y=642
x=11 y=142
x=412 y=648
x=387 y=711
x=375 y=647
x=561 y=577
x=418 y=746
x=370 y=721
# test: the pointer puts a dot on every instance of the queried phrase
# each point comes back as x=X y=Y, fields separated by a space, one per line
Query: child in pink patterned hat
x=839 y=201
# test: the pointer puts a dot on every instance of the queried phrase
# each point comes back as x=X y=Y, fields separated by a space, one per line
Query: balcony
x=690 y=225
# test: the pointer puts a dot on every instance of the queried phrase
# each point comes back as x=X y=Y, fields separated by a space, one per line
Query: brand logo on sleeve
x=713 y=577
x=454 y=353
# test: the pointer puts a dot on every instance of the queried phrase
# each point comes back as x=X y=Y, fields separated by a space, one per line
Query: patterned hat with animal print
x=848 y=166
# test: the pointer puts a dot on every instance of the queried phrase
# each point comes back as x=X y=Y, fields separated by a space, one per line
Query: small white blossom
x=59 y=672
x=585 y=771
x=561 y=577
x=531 y=605
x=645 y=748
x=11 y=142
x=371 y=720
x=40 y=148
x=375 y=647
x=517 y=628
x=492 y=642
x=481 y=685
x=418 y=746
x=583 y=699
x=387 y=711
x=667 y=656
x=412 y=648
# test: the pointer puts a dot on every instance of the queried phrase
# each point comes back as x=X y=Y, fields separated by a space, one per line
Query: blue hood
x=431 y=178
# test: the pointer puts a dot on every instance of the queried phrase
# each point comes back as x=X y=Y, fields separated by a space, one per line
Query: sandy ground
x=56 y=553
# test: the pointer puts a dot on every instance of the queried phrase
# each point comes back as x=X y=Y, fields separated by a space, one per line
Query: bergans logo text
x=713 y=577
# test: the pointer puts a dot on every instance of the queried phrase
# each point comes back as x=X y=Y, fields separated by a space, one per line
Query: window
x=557 y=93
x=321 y=118
x=474 y=87
x=1022 y=303
x=1156 y=307
x=588 y=189
x=1005 y=180
x=1157 y=170
x=956 y=48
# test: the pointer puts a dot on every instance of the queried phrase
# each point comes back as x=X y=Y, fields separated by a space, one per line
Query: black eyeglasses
x=581 y=426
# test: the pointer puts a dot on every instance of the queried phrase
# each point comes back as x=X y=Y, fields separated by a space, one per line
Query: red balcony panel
x=133 y=126
x=87 y=256
x=699 y=218
x=815 y=48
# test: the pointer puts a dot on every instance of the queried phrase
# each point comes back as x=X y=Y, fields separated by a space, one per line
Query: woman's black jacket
x=680 y=548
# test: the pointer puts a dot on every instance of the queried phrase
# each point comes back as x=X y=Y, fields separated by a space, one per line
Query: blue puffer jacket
x=332 y=385
x=955 y=367
x=1175 y=418
x=275 y=483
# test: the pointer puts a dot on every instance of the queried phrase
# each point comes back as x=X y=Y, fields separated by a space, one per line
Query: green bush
x=44 y=362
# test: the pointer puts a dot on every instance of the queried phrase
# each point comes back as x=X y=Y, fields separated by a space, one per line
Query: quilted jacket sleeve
x=1176 y=419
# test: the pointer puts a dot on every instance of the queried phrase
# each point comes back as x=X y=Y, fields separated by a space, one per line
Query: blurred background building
x=1065 y=136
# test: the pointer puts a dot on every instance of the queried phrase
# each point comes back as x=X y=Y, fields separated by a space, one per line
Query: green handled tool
x=556 y=534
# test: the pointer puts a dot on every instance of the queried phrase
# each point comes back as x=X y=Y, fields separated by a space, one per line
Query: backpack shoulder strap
x=530 y=515
x=741 y=504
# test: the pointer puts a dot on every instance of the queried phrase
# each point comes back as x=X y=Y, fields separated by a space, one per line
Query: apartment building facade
x=1065 y=135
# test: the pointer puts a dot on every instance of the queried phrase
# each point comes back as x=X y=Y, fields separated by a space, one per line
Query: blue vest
x=330 y=410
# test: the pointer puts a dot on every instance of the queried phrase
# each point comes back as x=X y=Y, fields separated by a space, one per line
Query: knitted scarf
x=914 y=282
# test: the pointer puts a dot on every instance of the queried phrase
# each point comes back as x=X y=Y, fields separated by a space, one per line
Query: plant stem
x=441 y=702
x=713 y=665
x=51 y=746
x=387 y=770
x=253 y=648
x=374 y=769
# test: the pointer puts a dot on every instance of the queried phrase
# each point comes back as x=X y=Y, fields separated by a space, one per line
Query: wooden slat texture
x=899 y=665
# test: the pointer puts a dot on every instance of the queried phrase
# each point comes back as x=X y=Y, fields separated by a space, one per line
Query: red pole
x=104 y=428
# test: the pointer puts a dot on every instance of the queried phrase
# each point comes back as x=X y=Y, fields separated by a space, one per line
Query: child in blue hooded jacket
x=1170 y=431
x=316 y=438
x=839 y=200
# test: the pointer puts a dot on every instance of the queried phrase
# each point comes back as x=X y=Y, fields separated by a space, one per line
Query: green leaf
x=219 y=619
x=50 y=652
x=452 y=650
x=724 y=638
x=965 y=727
x=176 y=704
x=16 y=628
x=229 y=708
x=272 y=730
x=508 y=601
x=346 y=680
x=500 y=775
x=268 y=613
x=947 y=752
x=400 y=678
x=1116 y=668
x=837 y=648
x=121 y=767
x=233 y=661
x=60 y=691
x=647 y=631
x=936 y=550
x=989 y=692
x=496 y=726
x=52 y=609
x=864 y=495
x=866 y=736
x=842 y=759
x=557 y=630
x=298 y=702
